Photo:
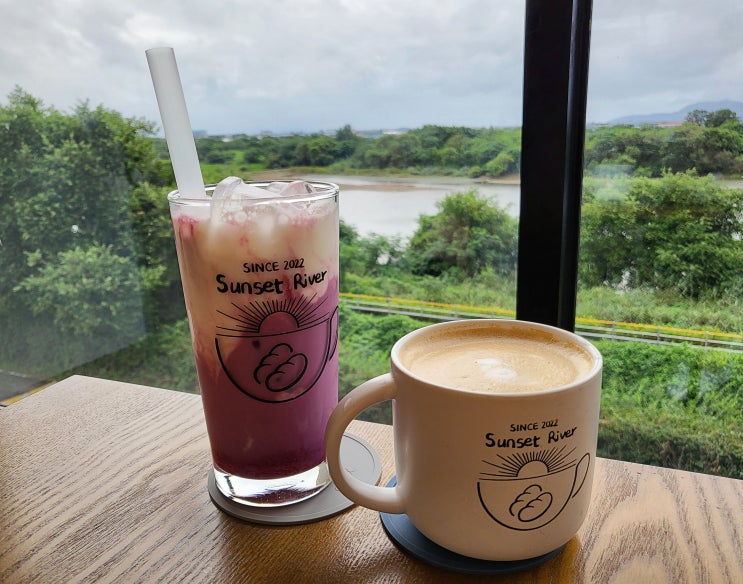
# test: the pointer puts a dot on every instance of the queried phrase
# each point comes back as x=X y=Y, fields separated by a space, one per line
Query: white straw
x=178 y=132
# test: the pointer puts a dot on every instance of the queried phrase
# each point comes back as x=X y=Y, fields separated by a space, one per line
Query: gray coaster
x=359 y=458
x=406 y=536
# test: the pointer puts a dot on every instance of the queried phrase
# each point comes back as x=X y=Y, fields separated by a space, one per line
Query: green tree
x=679 y=232
x=684 y=150
x=321 y=151
x=720 y=117
x=346 y=141
x=696 y=117
x=690 y=229
x=90 y=292
x=468 y=234
x=72 y=185
x=482 y=149
x=625 y=145
x=152 y=232
x=250 y=146
x=66 y=180
x=403 y=150
x=371 y=256
x=608 y=238
x=709 y=142
x=501 y=164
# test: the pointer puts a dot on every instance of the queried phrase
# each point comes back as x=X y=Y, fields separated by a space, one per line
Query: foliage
x=74 y=191
x=712 y=119
x=151 y=228
x=668 y=441
x=86 y=249
x=709 y=142
x=679 y=232
x=364 y=352
x=375 y=255
x=88 y=292
x=163 y=358
x=449 y=150
x=673 y=406
x=469 y=234
x=661 y=307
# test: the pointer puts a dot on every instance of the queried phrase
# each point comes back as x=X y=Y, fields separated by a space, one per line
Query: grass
x=162 y=359
x=673 y=406
x=661 y=308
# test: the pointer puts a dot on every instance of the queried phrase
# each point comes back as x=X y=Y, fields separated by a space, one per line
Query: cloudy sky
x=312 y=65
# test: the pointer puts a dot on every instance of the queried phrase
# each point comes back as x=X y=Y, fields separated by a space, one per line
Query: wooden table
x=106 y=481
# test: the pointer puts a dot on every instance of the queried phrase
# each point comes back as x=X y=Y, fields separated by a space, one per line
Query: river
x=391 y=206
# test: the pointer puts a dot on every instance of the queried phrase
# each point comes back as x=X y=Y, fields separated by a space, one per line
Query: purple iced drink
x=260 y=279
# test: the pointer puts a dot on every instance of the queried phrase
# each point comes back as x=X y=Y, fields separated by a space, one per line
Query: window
x=96 y=290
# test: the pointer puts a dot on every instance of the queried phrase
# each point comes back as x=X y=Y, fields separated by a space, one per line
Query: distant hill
x=680 y=115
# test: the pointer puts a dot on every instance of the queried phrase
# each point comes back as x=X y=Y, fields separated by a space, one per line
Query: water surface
x=391 y=206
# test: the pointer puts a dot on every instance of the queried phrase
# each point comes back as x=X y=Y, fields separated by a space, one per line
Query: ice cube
x=297 y=187
x=232 y=198
x=233 y=188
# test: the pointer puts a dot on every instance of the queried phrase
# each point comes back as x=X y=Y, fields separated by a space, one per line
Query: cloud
x=661 y=56
x=309 y=65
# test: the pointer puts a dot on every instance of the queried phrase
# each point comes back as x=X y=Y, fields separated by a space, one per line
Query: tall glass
x=260 y=280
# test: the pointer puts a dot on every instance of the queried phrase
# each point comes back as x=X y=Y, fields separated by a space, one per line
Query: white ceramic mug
x=494 y=476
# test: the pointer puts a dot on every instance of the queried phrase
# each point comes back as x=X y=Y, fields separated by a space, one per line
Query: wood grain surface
x=106 y=481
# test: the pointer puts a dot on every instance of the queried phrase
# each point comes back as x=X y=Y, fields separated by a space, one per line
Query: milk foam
x=478 y=360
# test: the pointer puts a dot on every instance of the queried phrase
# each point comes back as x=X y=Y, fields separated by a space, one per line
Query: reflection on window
x=661 y=268
x=90 y=281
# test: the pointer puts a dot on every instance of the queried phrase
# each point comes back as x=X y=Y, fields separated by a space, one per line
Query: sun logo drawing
x=275 y=351
x=526 y=491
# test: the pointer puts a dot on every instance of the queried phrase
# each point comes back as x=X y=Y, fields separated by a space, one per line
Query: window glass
x=661 y=264
x=413 y=108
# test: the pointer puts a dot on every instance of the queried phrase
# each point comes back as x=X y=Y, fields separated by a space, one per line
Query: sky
x=251 y=66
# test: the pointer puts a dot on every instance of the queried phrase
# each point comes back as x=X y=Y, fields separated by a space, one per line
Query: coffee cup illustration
x=525 y=493
x=276 y=353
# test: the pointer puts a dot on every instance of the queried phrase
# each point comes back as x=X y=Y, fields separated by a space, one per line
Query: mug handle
x=384 y=499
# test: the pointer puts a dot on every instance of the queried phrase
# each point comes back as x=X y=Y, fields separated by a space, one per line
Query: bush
x=665 y=442
x=162 y=359
x=680 y=407
x=365 y=352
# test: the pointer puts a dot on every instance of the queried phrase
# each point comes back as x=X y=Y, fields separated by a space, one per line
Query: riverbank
x=386 y=177
x=385 y=180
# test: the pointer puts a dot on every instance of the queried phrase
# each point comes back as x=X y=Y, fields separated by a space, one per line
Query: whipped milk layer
x=478 y=360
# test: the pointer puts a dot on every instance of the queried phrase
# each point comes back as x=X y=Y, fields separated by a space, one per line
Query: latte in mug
x=495 y=430
x=514 y=361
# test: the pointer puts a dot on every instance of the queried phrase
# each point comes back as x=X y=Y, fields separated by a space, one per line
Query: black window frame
x=556 y=51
